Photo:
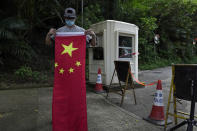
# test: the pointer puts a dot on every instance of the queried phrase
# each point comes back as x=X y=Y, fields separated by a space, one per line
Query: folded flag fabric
x=69 y=111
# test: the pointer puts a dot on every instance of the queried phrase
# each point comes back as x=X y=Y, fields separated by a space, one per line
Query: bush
x=25 y=74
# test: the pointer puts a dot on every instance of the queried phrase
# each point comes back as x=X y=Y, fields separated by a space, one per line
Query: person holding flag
x=69 y=110
x=70 y=18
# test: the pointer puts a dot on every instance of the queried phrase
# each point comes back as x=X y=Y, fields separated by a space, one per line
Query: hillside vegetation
x=24 y=24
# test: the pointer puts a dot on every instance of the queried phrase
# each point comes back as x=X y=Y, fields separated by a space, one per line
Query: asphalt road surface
x=30 y=109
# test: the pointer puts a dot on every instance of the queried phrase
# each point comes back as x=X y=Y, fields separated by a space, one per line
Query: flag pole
x=82 y=12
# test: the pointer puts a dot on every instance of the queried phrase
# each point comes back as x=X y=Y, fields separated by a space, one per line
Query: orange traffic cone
x=99 y=87
x=157 y=114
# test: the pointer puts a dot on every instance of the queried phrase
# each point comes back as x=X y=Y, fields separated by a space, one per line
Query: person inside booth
x=123 y=52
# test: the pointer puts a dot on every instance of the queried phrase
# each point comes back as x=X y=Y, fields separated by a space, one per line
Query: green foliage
x=24 y=24
x=9 y=28
x=12 y=43
x=159 y=62
x=147 y=48
x=193 y=1
x=92 y=14
x=174 y=21
x=25 y=74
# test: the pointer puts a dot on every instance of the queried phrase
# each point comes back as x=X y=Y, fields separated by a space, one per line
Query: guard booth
x=115 y=40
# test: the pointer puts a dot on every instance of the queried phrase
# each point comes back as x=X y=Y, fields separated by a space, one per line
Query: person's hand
x=52 y=31
x=90 y=32
x=50 y=34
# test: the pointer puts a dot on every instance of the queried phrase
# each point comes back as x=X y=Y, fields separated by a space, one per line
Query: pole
x=82 y=13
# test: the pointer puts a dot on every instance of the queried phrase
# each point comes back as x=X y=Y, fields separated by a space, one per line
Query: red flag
x=69 y=94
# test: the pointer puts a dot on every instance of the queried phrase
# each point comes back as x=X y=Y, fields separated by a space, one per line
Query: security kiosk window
x=125 y=46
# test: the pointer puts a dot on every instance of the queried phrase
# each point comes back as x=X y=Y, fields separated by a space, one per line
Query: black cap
x=70 y=13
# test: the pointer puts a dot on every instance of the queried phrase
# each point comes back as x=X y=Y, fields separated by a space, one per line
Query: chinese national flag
x=69 y=93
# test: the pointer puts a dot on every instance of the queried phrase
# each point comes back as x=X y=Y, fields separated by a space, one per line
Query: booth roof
x=114 y=21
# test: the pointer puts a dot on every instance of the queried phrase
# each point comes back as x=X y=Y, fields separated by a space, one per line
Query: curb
x=25 y=86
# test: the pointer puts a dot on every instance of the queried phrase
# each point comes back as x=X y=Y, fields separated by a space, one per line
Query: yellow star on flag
x=61 y=71
x=78 y=63
x=56 y=64
x=71 y=70
x=68 y=49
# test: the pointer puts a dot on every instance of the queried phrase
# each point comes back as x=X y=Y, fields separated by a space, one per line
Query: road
x=145 y=95
x=30 y=109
